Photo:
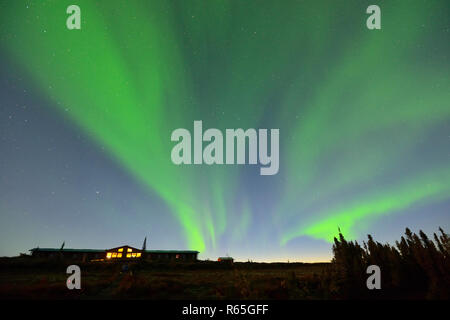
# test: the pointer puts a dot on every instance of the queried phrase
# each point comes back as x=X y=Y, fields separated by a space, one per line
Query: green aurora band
x=352 y=107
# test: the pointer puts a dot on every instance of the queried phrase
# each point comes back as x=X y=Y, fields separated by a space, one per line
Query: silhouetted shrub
x=416 y=267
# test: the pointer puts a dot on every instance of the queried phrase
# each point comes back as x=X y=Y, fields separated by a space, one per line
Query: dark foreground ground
x=415 y=268
x=22 y=278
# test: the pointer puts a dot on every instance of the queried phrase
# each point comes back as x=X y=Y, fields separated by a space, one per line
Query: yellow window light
x=108 y=255
x=114 y=255
x=138 y=254
x=133 y=255
x=119 y=255
x=120 y=250
x=129 y=250
x=128 y=255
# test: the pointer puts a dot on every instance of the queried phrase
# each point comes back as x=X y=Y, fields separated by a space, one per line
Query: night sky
x=86 y=118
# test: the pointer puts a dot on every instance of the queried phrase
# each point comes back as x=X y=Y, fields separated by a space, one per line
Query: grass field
x=30 y=279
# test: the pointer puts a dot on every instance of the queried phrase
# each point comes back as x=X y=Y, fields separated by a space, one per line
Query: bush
x=416 y=267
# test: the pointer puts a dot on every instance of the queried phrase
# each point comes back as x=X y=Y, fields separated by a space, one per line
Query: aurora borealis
x=86 y=118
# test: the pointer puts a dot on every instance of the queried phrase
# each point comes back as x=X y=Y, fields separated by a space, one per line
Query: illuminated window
x=120 y=250
x=119 y=255
x=108 y=255
x=138 y=254
x=128 y=255
x=177 y=256
x=114 y=255
x=133 y=255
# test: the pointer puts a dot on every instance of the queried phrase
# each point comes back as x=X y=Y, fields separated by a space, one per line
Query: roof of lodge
x=67 y=250
x=104 y=250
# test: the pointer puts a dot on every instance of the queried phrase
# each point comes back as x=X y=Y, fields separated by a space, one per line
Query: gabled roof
x=124 y=246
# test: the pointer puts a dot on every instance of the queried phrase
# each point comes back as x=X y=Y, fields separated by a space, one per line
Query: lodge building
x=124 y=252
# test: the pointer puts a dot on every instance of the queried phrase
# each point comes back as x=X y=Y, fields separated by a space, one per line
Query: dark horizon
x=86 y=118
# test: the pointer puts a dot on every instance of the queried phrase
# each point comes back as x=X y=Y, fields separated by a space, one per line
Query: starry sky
x=86 y=118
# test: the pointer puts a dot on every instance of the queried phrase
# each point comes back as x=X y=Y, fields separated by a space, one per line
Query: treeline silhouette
x=415 y=268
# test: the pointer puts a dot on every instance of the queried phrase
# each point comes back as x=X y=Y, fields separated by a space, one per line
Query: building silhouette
x=124 y=252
